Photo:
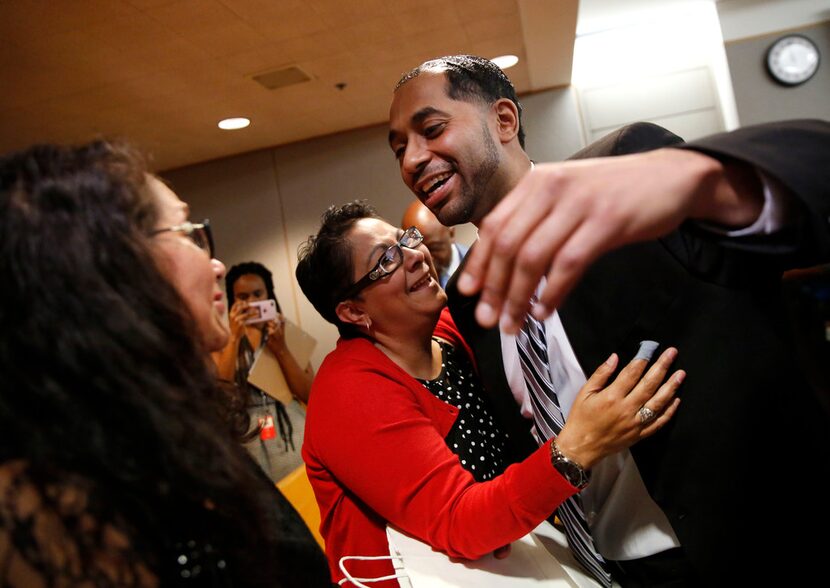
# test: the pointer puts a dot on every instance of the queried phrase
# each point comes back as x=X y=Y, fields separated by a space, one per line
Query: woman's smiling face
x=190 y=269
x=409 y=290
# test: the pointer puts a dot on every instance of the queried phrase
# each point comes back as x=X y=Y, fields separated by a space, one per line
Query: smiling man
x=683 y=245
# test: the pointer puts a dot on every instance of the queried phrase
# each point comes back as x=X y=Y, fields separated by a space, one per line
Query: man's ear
x=349 y=312
x=452 y=232
x=507 y=119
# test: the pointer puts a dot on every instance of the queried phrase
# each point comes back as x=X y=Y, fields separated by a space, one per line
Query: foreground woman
x=120 y=462
x=398 y=432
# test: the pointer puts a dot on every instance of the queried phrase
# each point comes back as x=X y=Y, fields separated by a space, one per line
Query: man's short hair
x=471 y=78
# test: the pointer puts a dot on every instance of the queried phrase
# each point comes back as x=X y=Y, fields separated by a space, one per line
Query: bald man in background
x=440 y=240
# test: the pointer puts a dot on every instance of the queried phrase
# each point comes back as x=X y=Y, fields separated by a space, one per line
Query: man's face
x=445 y=149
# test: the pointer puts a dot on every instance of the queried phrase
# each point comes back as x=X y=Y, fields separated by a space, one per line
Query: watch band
x=577 y=476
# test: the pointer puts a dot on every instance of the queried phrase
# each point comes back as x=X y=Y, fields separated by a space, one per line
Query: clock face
x=792 y=60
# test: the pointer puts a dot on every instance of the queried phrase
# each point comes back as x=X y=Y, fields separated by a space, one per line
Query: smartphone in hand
x=261 y=311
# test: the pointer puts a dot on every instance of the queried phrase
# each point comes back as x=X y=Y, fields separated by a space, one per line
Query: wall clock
x=792 y=60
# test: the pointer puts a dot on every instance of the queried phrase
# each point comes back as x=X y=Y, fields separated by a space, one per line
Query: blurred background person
x=440 y=240
x=277 y=445
x=120 y=461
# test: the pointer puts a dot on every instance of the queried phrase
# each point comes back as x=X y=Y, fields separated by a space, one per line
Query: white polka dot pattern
x=475 y=437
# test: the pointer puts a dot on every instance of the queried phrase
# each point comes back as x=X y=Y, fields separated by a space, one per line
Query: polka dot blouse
x=475 y=437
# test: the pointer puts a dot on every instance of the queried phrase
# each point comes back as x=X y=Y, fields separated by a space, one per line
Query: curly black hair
x=254 y=268
x=102 y=373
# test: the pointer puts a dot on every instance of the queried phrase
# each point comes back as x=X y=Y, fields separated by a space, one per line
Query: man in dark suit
x=446 y=253
x=682 y=245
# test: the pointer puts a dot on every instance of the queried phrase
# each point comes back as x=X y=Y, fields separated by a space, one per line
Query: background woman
x=119 y=455
x=277 y=446
x=398 y=431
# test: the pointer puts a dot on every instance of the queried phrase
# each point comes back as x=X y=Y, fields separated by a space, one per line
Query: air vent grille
x=279 y=78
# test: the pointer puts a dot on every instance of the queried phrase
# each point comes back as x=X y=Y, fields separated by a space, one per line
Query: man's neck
x=515 y=170
x=518 y=165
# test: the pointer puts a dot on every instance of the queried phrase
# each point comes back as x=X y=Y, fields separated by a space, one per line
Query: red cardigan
x=374 y=451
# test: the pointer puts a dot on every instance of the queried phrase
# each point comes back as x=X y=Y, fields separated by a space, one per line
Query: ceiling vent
x=279 y=78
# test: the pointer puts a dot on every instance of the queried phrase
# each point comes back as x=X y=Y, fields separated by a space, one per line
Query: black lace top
x=475 y=436
x=69 y=533
x=48 y=537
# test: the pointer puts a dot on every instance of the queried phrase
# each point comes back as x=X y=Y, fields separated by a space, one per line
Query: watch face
x=572 y=472
x=792 y=60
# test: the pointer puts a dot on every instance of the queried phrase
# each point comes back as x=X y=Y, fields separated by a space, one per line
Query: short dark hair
x=250 y=267
x=325 y=266
x=471 y=78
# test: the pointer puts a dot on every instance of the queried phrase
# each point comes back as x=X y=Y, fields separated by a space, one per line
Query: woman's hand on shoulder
x=606 y=419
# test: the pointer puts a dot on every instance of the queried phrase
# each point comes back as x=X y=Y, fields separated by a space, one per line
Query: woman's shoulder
x=357 y=382
x=353 y=357
x=447 y=331
x=50 y=535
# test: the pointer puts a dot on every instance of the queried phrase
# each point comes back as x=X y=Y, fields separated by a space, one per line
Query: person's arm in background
x=563 y=216
x=298 y=379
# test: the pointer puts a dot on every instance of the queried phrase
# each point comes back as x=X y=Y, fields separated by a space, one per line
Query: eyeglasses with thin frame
x=199 y=233
x=391 y=260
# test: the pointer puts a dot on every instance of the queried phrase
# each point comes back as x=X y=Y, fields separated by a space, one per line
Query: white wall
x=741 y=19
x=664 y=61
x=660 y=62
x=759 y=98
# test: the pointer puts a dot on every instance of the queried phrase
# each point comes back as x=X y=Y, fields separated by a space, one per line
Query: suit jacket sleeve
x=797 y=154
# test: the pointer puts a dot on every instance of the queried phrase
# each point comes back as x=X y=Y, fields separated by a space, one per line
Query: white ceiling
x=162 y=73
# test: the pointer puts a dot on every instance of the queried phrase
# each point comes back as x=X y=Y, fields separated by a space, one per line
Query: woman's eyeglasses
x=199 y=233
x=388 y=262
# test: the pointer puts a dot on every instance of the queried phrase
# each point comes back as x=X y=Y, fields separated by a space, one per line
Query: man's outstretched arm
x=563 y=216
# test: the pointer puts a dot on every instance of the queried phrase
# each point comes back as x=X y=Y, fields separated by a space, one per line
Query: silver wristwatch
x=574 y=473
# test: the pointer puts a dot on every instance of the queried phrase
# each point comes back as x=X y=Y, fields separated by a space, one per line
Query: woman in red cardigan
x=398 y=431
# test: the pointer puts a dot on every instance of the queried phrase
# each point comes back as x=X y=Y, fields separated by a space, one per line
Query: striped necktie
x=548 y=418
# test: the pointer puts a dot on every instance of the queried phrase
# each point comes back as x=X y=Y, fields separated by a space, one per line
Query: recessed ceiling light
x=505 y=61
x=231 y=124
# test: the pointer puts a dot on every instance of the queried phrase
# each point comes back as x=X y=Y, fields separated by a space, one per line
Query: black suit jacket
x=738 y=470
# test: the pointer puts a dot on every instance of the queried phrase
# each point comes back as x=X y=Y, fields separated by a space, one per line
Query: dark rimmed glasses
x=391 y=260
x=199 y=233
